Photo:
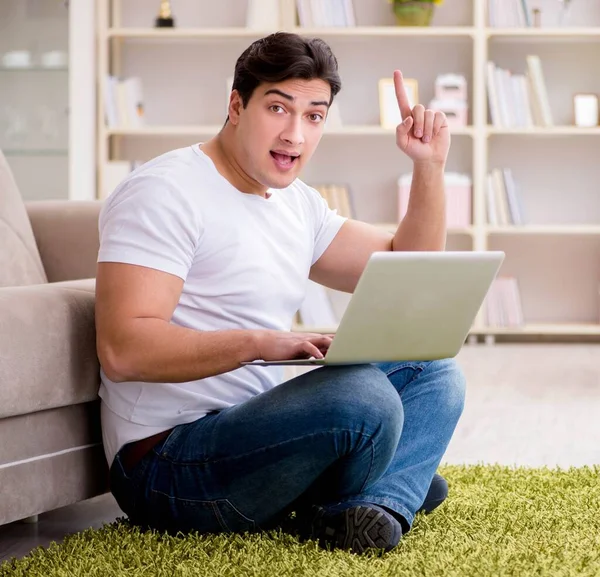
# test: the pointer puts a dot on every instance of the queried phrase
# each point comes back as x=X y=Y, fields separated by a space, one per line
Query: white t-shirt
x=245 y=262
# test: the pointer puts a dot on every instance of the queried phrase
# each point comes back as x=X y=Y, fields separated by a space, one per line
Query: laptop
x=416 y=306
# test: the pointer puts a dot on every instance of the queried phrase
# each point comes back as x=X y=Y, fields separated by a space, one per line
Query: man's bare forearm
x=153 y=350
x=424 y=225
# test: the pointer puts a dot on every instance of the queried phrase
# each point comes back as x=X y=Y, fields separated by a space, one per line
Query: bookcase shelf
x=550 y=131
x=241 y=32
x=467 y=230
x=569 y=329
x=192 y=130
x=579 y=229
x=539 y=329
x=161 y=34
x=554 y=255
x=357 y=130
x=437 y=31
x=571 y=34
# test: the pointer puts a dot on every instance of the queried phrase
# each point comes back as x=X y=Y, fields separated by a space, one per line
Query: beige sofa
x=51 y=451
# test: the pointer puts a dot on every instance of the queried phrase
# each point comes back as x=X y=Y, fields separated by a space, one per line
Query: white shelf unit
x=555 y=256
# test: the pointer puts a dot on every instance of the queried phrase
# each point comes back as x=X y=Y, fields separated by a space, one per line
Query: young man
x=204 y=258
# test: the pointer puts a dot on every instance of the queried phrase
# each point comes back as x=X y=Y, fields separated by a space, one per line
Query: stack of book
x=509 y=13
x=503 y=304
x=518 y=100
x=124 y=102
x=503 y=199
x=337 y=197
x=319 y=13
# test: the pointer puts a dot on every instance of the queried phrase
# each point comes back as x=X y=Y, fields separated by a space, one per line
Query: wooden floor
x=530 y=405
x=18 y=539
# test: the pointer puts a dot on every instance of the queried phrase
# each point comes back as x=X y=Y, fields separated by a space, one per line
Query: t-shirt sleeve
x=327 y=223
x=149 y=222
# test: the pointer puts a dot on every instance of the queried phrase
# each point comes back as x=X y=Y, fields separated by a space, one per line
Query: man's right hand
x=281 y=345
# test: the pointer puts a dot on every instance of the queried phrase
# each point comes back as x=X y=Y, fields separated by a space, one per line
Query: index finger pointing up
x=401 y=95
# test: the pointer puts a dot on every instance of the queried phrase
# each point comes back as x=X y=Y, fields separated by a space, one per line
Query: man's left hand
x=423 y=134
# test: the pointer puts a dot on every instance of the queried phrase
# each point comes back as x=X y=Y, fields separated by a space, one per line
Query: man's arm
x=424 y=136
x=424 y=225
x=136 y=341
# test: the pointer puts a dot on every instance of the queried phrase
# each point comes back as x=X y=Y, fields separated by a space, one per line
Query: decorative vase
x=413 y=13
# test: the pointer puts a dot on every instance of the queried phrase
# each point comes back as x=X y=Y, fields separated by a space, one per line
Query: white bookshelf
x=555 y=256
x=571 y=33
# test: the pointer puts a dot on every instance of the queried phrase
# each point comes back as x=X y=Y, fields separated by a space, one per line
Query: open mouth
x=284 y=160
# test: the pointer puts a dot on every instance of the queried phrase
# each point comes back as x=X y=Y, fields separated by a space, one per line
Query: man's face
x=279 y=130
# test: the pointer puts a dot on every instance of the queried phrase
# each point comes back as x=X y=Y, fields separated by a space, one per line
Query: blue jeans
x=373 y=433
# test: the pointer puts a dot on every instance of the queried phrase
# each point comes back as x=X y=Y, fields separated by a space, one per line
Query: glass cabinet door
x=34 y=95
x=40 y=97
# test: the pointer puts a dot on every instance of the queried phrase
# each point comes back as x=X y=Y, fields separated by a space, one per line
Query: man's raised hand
x=423 y=134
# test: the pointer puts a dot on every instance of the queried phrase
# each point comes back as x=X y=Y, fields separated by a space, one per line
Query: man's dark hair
x=281 y=56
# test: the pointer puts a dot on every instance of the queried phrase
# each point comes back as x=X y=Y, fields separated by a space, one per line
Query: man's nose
x=293 y=132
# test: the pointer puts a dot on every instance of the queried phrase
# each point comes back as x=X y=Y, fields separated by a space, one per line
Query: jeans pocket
x=128 y=487
x=122 y=487
x=217 y=516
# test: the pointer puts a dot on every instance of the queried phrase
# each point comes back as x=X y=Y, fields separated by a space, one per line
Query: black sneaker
x=355 y=526
x=437 y=494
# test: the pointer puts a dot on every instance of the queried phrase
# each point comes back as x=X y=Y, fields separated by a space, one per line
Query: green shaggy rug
x=497 y=521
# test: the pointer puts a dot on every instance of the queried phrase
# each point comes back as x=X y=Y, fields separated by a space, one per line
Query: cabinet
x=47 y=97
x=554 y=254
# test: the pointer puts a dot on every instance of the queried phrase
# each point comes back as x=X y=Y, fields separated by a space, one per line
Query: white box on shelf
x=456 y=111
x=585 y=110
x=451 y=87
x=263 y=15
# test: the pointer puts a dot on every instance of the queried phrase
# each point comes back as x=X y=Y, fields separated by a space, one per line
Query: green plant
x=414 y=12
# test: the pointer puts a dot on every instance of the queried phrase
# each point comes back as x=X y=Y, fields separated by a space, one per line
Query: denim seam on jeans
x=217 y=514
x=165 y=456
x=370 y=464
x=159 y=447
x=417 y=367
x=215 y=507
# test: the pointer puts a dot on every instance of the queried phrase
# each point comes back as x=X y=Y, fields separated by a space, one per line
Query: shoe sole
x=358 y=529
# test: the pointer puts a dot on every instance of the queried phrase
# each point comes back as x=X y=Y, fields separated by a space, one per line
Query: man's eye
x=274 y=106
x=316 y=117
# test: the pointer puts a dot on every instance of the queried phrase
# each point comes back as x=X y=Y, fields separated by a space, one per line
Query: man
x=204 y=258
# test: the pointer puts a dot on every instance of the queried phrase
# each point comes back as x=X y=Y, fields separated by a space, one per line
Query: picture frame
x=389 y=112
x=585 y=109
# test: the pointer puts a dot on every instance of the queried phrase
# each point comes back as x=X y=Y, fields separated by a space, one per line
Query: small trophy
x=165 y=18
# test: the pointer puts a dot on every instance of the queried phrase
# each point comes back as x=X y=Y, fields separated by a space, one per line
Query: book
x=518 y=100
x=124 y=102
x=337 y=197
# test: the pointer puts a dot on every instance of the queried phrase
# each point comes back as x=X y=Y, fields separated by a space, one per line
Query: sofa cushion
x=47 y=347
x=20 y=262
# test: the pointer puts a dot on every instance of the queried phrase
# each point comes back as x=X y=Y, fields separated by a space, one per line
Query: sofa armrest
x=47 y=347
x=66 y=233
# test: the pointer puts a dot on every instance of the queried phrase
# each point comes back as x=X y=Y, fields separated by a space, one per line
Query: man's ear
x=235 y=106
